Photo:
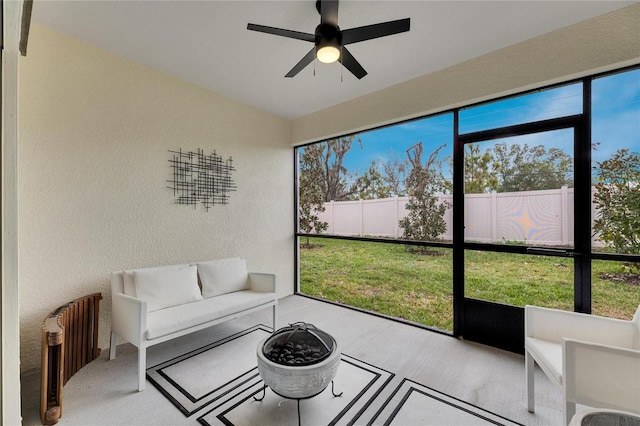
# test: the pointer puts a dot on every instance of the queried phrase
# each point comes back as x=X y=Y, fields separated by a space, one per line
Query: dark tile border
x=440 y=397
x=247 y=377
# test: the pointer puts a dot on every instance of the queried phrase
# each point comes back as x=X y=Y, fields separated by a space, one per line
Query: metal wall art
x=199 y=178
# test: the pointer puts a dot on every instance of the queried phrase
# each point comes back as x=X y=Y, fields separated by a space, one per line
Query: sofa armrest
x=554 y=325
x=601 y=376
x=117 y=282
x=262 y=282
x=128 y=317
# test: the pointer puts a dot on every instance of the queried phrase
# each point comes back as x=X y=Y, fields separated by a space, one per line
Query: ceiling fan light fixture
x=330 y=41
x=327 y=52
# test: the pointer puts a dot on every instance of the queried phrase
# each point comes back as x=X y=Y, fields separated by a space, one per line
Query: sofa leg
x=142 y=363
x=529 y=365
x=275 y=315
x=112 y=347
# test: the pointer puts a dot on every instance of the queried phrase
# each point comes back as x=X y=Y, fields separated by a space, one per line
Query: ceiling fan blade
x=308 y=58
x=368 y=32
x=329 y=12
x=350 y=63
x=282 y=32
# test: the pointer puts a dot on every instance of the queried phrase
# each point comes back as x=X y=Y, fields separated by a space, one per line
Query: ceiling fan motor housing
x=328 y=35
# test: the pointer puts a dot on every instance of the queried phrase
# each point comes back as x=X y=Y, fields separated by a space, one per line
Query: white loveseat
x=154 y=305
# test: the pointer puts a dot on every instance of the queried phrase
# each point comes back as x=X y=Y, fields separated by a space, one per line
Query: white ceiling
x=207 y=43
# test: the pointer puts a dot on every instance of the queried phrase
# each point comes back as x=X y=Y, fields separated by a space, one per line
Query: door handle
x=551 y=251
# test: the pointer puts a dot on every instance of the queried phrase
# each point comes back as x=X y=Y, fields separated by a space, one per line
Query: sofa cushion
x=178 y=318
x=162 y=288
x=129 y=284
x=223 y=276
x=636 y=332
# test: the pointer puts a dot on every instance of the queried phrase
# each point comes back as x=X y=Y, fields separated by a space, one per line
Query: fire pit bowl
x=298 y=361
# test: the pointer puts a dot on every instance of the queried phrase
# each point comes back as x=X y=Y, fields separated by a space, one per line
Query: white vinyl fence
x=535 y=217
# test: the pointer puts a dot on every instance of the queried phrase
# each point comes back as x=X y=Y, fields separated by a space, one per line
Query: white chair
x=594 y=360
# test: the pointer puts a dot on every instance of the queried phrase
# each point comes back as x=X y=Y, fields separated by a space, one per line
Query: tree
x=524 y=168
x=425 y=212
x=617 y=198
x=310 y=196
x=395 y=176
x=372 y=184
x=333 y=175
x=479 y=177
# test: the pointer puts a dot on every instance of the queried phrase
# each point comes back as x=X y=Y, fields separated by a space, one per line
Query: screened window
x=390 y=184
x=541 y=105
x=361 y=185
x=519 y=280
x=616 y=163
x=520 y=190
x=380 y=277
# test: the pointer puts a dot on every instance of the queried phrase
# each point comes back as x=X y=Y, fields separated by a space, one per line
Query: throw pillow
x=223 y=276
x=127 y=277
x=167 y=287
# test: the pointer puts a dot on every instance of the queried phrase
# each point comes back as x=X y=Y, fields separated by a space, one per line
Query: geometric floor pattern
x=415 y=404
x=220 y=382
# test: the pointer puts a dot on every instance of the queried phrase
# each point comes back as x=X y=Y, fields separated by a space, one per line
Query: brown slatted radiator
x=69 y=342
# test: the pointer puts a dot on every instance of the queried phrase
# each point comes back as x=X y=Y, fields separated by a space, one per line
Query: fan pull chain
x=314 y=66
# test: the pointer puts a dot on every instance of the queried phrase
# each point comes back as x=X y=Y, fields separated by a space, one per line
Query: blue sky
x=616 y=122
x=616 y=114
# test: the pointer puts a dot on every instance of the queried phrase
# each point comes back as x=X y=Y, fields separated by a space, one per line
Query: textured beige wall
x=598 y=44
x=95 y=130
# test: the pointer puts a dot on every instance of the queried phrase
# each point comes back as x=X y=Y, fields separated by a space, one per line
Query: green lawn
x=389 y=279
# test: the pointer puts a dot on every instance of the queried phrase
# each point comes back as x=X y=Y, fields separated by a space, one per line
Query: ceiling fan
x=330 y=41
